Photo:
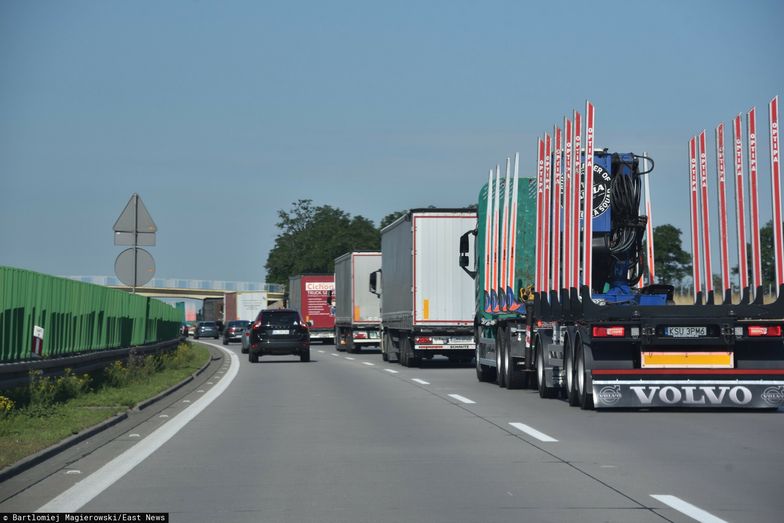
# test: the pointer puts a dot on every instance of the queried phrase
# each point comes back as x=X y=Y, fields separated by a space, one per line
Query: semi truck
x=243 y=305
x=560 y=304
x=308 y=295
x=357 y=313
x=426 y=308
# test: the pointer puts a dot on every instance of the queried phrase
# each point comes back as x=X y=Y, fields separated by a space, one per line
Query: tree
x=391 y=217
x=671 y=261
x=311 y=238
x=766 y=257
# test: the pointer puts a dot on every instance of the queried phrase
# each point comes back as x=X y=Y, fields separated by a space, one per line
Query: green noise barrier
x=46 y=316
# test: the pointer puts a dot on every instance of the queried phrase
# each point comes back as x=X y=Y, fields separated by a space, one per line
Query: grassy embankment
x=49 y=410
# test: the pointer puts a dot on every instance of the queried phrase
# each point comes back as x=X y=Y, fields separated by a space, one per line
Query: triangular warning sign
x=135 y=217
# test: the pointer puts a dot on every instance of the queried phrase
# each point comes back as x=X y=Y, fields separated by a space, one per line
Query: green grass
x=41 y=417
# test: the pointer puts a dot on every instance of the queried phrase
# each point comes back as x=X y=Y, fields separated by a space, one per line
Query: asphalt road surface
x=349 y=438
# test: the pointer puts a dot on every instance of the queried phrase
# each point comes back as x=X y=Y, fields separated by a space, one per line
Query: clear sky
x=220 y=113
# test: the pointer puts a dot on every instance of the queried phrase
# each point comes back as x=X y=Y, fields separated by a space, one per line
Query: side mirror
x=375 y=282
x=329 y=297
x=465 y=248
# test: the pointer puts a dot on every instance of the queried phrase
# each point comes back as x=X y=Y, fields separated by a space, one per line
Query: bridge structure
x=188 y=288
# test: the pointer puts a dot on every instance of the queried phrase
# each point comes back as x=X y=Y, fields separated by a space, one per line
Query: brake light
x=257 y=324
x=608 y=332
x=360 y=336
x=424 y=340
x=764 y=330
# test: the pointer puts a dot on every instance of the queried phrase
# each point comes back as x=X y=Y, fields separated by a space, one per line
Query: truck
x=357 y=312
x=426 y=308
x=243 y=305
x=560 y=304
x=308 y=295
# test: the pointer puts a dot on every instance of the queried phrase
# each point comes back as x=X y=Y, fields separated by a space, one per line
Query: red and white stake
x=567 y=239
x=511 y=299
x=505 y=242
x=740 y=204
x=649 y=226
x=547 y=209
x=721 y=171
x=556 y=260
x=576 y=201
x=756 y=261
x=588 y=200
x=489 y=244
x=539 y=213
x=695 y=231
x=778 y=240
x=494 y=287
x=706 y=244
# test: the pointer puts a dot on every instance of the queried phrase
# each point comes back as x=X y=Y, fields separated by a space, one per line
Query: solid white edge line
x=85 y=490
x=541 y=436
x=421 y=382
x=687 y=508
x=391 y=371
x=462 y=399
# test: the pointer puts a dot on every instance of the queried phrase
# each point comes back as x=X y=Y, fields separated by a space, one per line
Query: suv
x=279 y=331
x=206 y=328
x=233 y=331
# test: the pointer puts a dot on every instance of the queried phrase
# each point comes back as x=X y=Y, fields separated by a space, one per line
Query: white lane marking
x=73 y=472
x=421 y=382
x=541 y=436
x=163 y=416
x=368 y=364
x=134 y=435
x=85 y=490
x=462 y=399
x=687 y=508
x=321 y=352
x=334 y=354
x=348 y=358
x=391 y=371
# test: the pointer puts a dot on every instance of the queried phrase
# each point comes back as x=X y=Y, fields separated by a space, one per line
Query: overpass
x=187 y=288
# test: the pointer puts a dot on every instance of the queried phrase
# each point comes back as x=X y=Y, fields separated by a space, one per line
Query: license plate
x=686 y=332
x=375 y=335
x=280 y=331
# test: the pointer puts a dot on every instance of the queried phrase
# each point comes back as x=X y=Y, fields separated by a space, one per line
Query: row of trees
x=311 y=237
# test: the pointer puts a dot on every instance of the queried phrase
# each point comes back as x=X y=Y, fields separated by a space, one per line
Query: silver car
x=246 y=338
x=206 y=329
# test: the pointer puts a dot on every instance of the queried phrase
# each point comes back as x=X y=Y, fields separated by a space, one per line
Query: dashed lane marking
x=541 y=436
x=421 y=382
x=687 y=508
x=461 y=399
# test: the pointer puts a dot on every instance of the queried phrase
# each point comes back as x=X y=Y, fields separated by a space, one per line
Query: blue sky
x=220 y=113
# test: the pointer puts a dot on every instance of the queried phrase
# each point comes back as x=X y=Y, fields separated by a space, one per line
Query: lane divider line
x=461 y=399
x=541 y=436
x=421 y=382
x=350 y=358
x=334 y=354
x=690 y=510
x=85 y=490
x=391 y=371
x=368 y=364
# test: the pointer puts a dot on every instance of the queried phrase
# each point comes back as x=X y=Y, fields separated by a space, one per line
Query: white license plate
x=686 y=332
x=280 y=331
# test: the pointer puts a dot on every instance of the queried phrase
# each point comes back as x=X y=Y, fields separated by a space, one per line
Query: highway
x=349 y=438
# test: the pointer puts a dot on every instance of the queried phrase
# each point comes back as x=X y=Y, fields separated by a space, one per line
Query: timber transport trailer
x=596 y=336
x=426 y=304
x=357 y=314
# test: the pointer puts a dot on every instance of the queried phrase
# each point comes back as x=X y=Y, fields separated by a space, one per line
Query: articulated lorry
x=357 y=314
x=559 y=300
x=426 y=306
x=308 y=294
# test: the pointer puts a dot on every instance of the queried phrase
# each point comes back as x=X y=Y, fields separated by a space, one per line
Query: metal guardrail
x=180 y=283
x=17 y=374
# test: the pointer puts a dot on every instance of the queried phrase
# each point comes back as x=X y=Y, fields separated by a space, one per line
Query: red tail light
x=764 y=330
x=257 y=324
x=609 y=332
x=424 y=341
x=360 y=336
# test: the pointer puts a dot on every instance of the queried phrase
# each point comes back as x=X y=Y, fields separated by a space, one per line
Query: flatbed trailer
x=575 y=322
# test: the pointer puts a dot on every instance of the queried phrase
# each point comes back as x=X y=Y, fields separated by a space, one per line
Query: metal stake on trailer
x=695 y=231
x=512 y=302
x=740 y=210
x=556 y=261
x=489 y=244
x=494 y=287
x=756 y=262
x=567 y=237
x=505 y=243
x=547 y=207
x=649 y=225
x=576 y=202
x=706 y=244
x=539 y=213
x=778 y=240
x=721 y=172
x=588 y=199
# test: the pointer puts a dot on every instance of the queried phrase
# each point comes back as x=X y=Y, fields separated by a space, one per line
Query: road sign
x=134 y=267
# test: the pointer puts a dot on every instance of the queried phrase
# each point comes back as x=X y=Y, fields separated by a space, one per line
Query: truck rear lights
x=360 y=336
x=763 y=330
x=423 y=340
x=608 y=332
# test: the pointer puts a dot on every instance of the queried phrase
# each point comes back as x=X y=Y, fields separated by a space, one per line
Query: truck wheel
x=584 y=395
x=514 y=378
x=483 y=372
x=544 y=390
x=305 y=356
x=500 y=349
x=568 y=366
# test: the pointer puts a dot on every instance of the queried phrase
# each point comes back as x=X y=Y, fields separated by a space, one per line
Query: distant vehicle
x=234 y=330
x=206 y=329
x=246 y=338
x=357 y=314
x=308 y=295
x=279 y=331
x=184 y=329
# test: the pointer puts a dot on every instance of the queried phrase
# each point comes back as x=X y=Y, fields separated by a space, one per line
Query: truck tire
x=584 y=395
x=305 y=356
x=406 y=354
x=568 y=366
x=544 y=390
x=483 y=372
x=514 y=378
x=500 y=349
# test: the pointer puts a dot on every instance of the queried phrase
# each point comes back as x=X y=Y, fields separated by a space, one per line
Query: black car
x=205 y=329
x=279 y=331
x=233 y=331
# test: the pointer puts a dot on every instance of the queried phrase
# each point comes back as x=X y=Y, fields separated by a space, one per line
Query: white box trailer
x=426 y=302
x=357 y=310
